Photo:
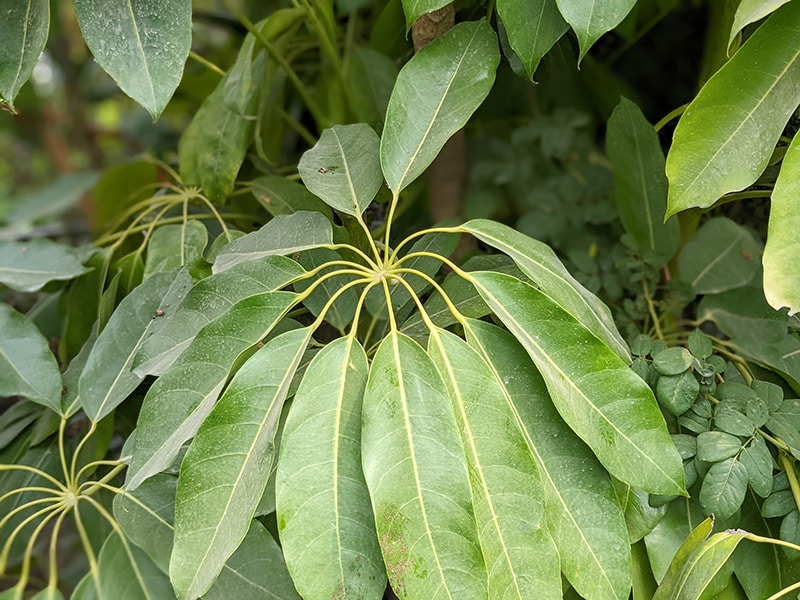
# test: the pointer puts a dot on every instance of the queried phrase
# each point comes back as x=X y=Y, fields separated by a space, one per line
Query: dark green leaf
x=127 y=573
x=772 y=395
x=686 y=444
x=372 y=76
x=699 y=344
x=758 y=566
x=666 y=542
x=340 y=314
x=758 y=461
x=750 y=11
x=724 y=487
x=28 y=266
x=677 y=393
x=790 y=532
x=672 y=361
x=778 y=504
x=281 y=196
x=23 y=29
x=174 y=246
x=52 y=200
x=714 y=446
x=592 y=18
x=414 y=9
x=732 y=421
x=533 y=28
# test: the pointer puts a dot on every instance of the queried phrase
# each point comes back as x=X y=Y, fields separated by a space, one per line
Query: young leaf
x=533 y=28
x=592 y=18
x=226 y=468
x=324 y=514
x=582 y=511
x=142 y=45
x=604 y=402
x=540 y=263
x=725 y=138
x=435 y=93
x=28 y=266
x=640 y=185
x=191 y=386
x=724 y=487
x=344 y=168
x=174 y=246
x=27 y=366
x=129 y=576
x=416 y=473
x=23 y=29
x=283 y=234
x=206 y=301
x=507 y=491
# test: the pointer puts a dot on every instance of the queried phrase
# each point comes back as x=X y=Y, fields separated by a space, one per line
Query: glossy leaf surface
x=750 y=11
x=28 y=266
x=533 y=28
x=601 y=399
x=324 y=514
x=145 y=49
x=23 y=29
x=728 y=133
x=590 y=19
x=226 y=468
x=417 y=477
x=435 y=93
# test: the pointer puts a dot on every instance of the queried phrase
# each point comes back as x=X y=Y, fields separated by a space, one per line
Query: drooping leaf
x=414 y=9
x=23 y=29
x=601 y=399
x=640 y=185
x=540 y=263
x=174 y=246
x=27 y=366
x=725 y=138
x=592 y=18
x=283 y=234
x=533 y=28
x=28 y=266
x=206 y=301
x=435 y=93
x=781 y=281
x=108 y=377
x=582 y=511
x=750 y=11
x=226 y=468
x=191 y=386
x=142 y=44
x=324 y=514
x=129 y=576
x=417 y=477
x=344 y=168
x=507 y=491
x=724 y=487
x=281 y=196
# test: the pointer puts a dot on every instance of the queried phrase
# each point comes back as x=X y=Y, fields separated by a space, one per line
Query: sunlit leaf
x=28 y=266
x=750 y=11
x=590 y=19
x=23 y=29
x=435 y=93
x=142 y=44
x=533 y=28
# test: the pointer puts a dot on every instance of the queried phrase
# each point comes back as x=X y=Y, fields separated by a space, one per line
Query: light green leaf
x=640 y=185
x=414 y=9
x=108 y=377
x=781 y=280
x=533 y=27
x=28 y=266
x=143 y=45
x=324 y=514
x=540 y=263
x=344 y=168
x=435 y=94
x=582 y=511
x=720 y=257
x=284 y=234
x=590 y=19
x=206 y=301
x=27 y=366
x=724 y=487
x=725 y=138
x=750 y=11
x=191 y=386
x=129 y=576
x=507 y=492
x=281 y=196
x=417 y=477
x=226 y=468
x=23 y=29
x=174 y=246
x=599 y=397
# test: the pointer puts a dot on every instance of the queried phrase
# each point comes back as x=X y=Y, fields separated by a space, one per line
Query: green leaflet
x=582 y=512
x=781 y=279
x=590 y=19
x=191 y=386
x=108 y=378
x=226 y=468
x=343 y=168
x=174 y=246
x=323 y=508
x=507 y=492
x=601 y=399
x=417 y=477
x=434 y=95
x=28 y=266
x=414 y=9
x=27 y=366
x=23 y=29
x=540 y=263
x=533 y=27
x=728 y=133
x=145 y=50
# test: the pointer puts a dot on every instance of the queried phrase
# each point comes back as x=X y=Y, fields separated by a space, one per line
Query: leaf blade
x=23 y=29
x=27 y=267
x=592 y=18
x=533 y=28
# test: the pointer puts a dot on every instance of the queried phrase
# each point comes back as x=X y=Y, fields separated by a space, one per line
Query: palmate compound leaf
x=417 y=477
x=226 y=468
x=582 y=512
x=193 y=384
x=324 y=514
x=538 y=261
x=435 y=94
x=725 y=138
x=520 y=554
x=600 y=398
